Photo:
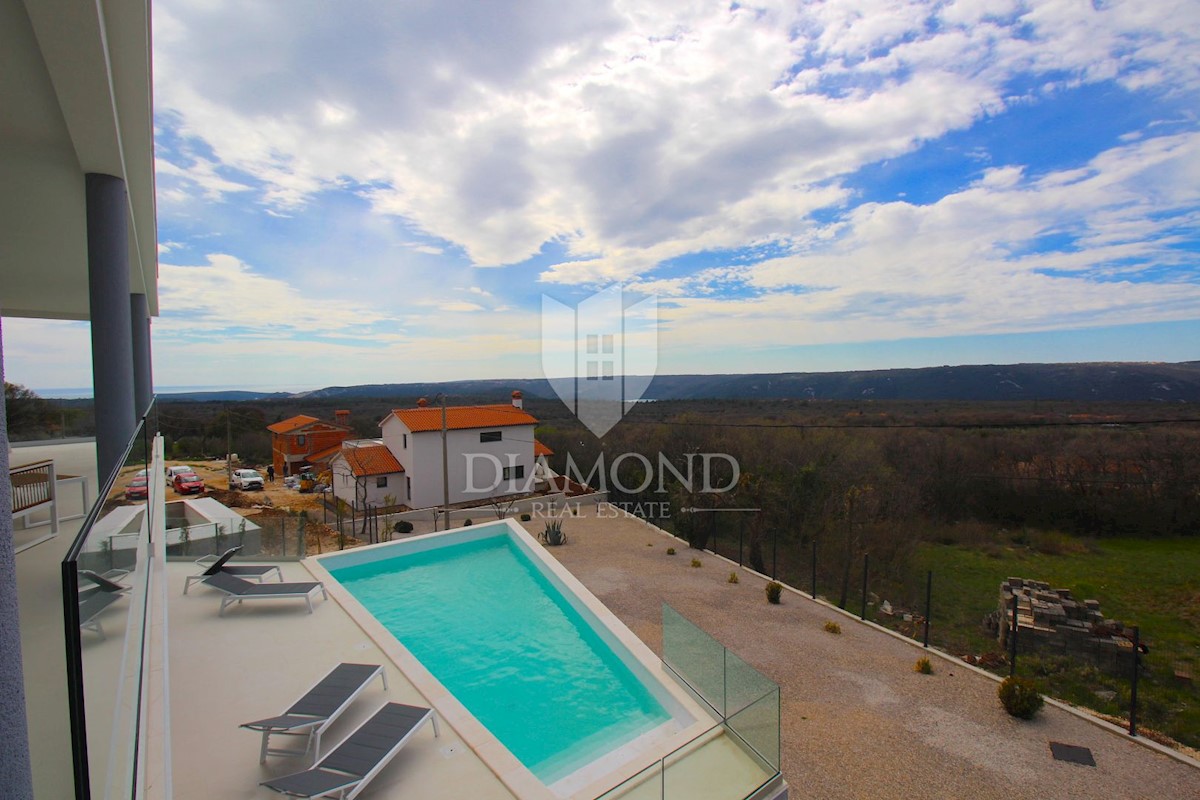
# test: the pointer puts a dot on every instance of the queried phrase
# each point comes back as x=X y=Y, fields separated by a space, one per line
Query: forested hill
x=1101 y=382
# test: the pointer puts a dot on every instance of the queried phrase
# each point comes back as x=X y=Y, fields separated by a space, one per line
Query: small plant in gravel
x=553 y=535
x=696 y=563
x=774 y=592
x=733 y=578
x=924 y=666
x=670 y=551
x=1020 y=697
x=833 y=627
x=467 y=523
x=403 y=526
x=525 y=518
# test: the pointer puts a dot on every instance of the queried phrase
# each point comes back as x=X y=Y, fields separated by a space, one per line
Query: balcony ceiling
x=75 y=97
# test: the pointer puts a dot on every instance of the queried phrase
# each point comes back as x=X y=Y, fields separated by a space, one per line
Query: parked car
x=137 y=488
x=180 y=469
x=246 y=479
x=187 y=483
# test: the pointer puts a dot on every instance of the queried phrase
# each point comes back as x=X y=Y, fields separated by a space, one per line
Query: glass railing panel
x=105 y=578
x=695 y=657
x=743 y=684
x=757 y=728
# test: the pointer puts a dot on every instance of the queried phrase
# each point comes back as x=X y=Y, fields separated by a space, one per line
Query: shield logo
x=600 y=356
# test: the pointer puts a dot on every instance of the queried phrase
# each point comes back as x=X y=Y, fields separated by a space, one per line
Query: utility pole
x=445 y=466
x=228 y=450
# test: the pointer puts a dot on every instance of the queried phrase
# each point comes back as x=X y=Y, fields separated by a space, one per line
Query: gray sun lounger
x=103 y=583
x=352 y=765
x=90 y=606
x=312 y=714
x=237 y=589
x=248 y=571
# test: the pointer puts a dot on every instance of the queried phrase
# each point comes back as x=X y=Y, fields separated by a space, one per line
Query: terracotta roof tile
x=289 y=425
x=540 y=449
x=429 y=418
x=326 y=454
x=373 y=460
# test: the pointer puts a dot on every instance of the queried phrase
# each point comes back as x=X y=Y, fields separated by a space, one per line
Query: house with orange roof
x=365 y=473
x=307 y=441
x=489 y=449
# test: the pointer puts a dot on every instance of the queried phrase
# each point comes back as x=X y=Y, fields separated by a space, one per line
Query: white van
x=179 y=470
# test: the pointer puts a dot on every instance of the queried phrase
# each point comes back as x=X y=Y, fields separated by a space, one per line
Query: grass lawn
x=1152 y=583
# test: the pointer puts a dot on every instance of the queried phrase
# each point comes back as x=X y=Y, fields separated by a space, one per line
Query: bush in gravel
x=833 y=627
x=924 y=666
x=774 y=592
x=670 y=551
x=696 y=563
x=733 y=578
x=403 y=526
x=525 y=518
x=1020 y=697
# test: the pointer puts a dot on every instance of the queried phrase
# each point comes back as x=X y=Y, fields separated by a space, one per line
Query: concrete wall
x=344 y=486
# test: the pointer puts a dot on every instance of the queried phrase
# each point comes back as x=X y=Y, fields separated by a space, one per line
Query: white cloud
x=616 y=128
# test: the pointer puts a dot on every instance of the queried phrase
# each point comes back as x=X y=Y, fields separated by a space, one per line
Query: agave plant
x=553 y=535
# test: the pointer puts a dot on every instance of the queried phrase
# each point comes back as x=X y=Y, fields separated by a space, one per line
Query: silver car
x=246 y=479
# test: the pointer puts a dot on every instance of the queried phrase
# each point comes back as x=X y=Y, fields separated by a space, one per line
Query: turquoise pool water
x=490 y=626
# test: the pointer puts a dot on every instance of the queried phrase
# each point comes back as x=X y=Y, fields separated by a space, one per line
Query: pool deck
x=857 y=720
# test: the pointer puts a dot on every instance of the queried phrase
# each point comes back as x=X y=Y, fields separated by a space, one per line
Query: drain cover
x=1073 y=753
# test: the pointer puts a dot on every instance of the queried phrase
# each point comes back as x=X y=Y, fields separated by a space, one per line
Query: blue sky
x=385 y=193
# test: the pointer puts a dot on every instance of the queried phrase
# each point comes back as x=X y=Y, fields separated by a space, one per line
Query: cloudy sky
x=380 y=191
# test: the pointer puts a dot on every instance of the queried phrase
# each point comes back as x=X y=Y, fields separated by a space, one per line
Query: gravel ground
x=858 y=721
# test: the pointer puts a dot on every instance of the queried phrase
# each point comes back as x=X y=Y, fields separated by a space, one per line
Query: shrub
x=733 y=578
x=552 y=535
x=525 y=518
x=467 y=523
x=670 y=551
x=696 y=563
x=1020 y=697
x=924 y=666
x=403 y=526
x=774 y=592
x=833 y=627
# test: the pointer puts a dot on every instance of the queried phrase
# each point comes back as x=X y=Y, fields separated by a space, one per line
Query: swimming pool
x=482 y=612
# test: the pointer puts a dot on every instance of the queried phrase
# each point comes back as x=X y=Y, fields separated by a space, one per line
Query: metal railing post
x=866 y=565
x=1133 y=687
x=928 y=604
x=814 y=569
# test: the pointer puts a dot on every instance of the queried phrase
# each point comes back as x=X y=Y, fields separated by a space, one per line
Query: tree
x=29 y=416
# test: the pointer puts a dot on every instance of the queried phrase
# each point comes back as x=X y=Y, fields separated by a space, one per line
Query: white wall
x=483 y=460
x=344 y=488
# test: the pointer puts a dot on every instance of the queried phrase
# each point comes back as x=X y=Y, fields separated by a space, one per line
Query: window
x=408 y=486
x=490 y=436
x=514 y=473
x=405 y=441
x=381 y=482
x=300 y=440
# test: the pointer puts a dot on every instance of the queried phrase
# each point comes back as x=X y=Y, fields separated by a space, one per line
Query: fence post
x=866 y=564
x=814 y=569
x=774 y=552
x=1137 y=657
x=1012 y=640
x=928 y=604
x=741 y=535
x=283 y=535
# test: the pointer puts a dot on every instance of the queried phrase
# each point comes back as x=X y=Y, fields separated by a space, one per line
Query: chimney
x=422 y=403
x=516 y=400
x=342 y=417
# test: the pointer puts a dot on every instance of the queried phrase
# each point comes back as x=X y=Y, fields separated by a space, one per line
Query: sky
x=379 y=192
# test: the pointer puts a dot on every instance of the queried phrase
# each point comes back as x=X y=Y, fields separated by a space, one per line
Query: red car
x=187 y=483
x=137 y=488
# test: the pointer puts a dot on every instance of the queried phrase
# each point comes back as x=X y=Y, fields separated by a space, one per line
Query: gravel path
x=858 y=721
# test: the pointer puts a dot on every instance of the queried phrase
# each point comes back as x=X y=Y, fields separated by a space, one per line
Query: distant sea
x=81 y=392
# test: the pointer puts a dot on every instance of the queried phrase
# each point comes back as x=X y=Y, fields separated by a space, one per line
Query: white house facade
x=366 y=473
x=490 y=451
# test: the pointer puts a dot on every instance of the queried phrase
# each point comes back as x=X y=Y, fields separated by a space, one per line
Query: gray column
x=15 y=774
x=112 y=333
x=143 y=377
